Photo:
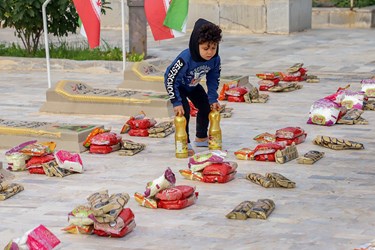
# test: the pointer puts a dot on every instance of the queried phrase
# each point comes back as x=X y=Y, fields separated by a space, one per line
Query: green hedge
x=343 y=3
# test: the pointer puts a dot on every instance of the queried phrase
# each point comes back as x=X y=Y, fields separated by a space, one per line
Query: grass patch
x=79 y=52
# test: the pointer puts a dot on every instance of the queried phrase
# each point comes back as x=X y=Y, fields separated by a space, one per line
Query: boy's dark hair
x=209 y=33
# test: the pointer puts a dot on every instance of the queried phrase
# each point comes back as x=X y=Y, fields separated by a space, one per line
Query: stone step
x=75 y=97
x=68 y=137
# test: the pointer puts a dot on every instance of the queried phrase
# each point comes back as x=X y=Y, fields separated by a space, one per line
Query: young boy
x=182 y=78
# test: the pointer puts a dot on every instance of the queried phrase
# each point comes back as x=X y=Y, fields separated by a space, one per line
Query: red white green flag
x=89 y=13
x=166 y=18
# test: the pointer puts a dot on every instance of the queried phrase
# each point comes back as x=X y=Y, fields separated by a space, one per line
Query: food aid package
x=219 y=178
x=353 y=99
x=324 y=112
x=178 y=204
x=236 y=98
x=175 y=193
x=81 y=216
x=69 y=161
x=17 y=161
x=244 y=154
x=199 y=161
x=267 y=148
x=39 y=238
x=106 y=138
x=237 y=91
x=368 y=86
x=138 y=132
x=222 y=169
x=142 y=123
x=104 y=149
x=165 y=181
x=190 y=175
x=290 y=135
x=123 y=225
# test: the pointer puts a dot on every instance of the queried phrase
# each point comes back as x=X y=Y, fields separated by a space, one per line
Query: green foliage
x=134 y=57
x=72 y=52
x=343 y=3
x=25 y=16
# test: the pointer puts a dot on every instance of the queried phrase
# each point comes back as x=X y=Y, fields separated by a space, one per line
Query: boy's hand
x=215 y=106
x=178 y=110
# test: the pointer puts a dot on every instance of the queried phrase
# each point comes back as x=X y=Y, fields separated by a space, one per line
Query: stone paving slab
x=332 y=206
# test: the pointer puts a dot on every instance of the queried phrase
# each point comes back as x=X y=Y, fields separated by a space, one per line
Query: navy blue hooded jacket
x=189 y=67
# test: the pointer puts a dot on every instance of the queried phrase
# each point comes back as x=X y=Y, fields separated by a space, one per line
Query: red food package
x=36 y=170
x=123 y=223
x=219 y=178
x=169 y=194
x=289 y=132
x=142 y=123
x=179 y=204
x=138 y=132
x=40 y=238
x=269 y=83
x=107 y=138
x=296 y=140
x=270 y=147
x=186 y=190
x=223 y=168
x=236 y=99
x=124 y=231
x=37 y=160
x=266 y=76
x=237 y=91
x=244 y=154
x=103 y=149
x=265 y=157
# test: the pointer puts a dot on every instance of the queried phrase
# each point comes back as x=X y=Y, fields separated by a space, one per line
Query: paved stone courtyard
x=332 y=206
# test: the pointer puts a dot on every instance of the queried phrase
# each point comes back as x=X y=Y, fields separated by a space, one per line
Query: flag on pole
x=89 y=13
x=175 y=24
x=177 y=14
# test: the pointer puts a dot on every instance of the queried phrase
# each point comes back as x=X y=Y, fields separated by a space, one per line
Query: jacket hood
x=193 y=43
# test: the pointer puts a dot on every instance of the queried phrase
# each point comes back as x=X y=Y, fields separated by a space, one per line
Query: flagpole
x=45 y=30
x=123 y=35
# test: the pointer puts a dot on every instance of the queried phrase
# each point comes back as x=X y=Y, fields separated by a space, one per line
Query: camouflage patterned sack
x=240 y=211
x=261 y=209
x=336 y=144
x=8 y=190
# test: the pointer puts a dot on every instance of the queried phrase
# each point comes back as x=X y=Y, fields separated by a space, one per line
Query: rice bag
x=199 y=161
x=219 y=178
x=145 y=201
x=138 y=132
x=324 y=112
x=165 y=181
x=104 y=149
x=115 y=229
x=69 y=161
x=353 y=99
x=80 y=216
x=74 y=229
x=368 y=86
x=169 y=194
x=236 y=98
x=268 y=148
x=106 y=138
x=289 y=132
x=190 y=175
x=244 y=154
x=17 y=161
x=178 y=204
x=223 y=168
x=142 y=123
x=42 y=239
